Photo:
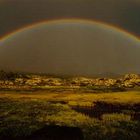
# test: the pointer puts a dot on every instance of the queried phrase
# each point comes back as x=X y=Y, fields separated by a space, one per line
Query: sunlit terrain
x=39 y=106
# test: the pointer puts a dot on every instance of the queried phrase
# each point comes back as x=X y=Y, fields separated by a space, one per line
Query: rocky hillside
x=10 y=80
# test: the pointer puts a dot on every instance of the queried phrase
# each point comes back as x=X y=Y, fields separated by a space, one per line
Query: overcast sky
x=15 y=14
x=70 y=47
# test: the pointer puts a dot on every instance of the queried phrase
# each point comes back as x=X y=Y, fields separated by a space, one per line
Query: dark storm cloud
x=15 y=14
x=69 y=47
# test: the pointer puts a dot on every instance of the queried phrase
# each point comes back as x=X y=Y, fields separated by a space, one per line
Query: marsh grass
x=23 y=113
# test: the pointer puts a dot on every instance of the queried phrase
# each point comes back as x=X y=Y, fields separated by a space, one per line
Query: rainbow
x=72 y=20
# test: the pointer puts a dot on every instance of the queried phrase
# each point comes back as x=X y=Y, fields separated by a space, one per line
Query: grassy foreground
x=43 y=107
x=100 y=116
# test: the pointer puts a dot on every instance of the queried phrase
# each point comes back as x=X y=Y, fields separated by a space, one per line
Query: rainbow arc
x=79 y=21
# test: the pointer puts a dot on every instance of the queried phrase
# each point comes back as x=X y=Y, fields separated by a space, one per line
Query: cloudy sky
x=76 y=47
x=15 y=14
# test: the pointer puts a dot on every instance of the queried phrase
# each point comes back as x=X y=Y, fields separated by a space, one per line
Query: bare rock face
x=131 y=76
